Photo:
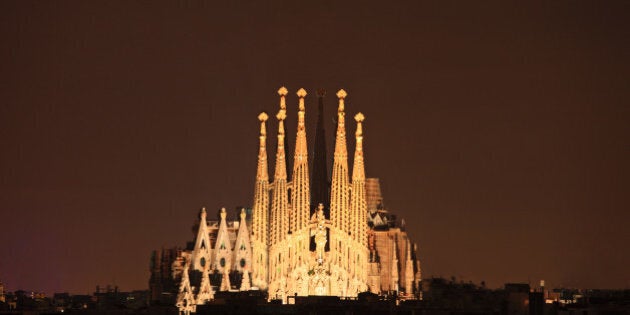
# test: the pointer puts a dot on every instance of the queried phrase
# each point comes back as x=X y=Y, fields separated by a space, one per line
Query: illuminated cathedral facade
x=304 y=235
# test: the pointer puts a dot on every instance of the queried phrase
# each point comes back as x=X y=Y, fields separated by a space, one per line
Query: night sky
x=500 y=132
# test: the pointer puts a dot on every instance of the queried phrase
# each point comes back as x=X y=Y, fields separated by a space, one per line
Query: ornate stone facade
x=290 y=246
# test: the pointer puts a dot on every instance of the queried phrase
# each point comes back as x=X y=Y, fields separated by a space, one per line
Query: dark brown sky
x=499 y=131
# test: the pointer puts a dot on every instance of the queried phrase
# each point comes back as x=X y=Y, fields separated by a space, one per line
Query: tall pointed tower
x=300 y=256
x=339 y=186
x=279 y=223
x=280 y=203
x=340 y=246
x=260 y=232
x=358 y=204
x=358 y=209
x=300 y=195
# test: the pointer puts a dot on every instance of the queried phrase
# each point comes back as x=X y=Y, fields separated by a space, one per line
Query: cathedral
x=304 y=234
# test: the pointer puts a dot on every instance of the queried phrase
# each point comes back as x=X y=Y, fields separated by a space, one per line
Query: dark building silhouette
x=320 y=185
x=162 y=286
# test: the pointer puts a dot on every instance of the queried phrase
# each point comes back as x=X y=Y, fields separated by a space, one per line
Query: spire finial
x=341 y=94
x=301 y=93
x=223 y=214
x=359 y=118
x=243 y=214
x=263 y=117
x=203 y=213
x=283 y=92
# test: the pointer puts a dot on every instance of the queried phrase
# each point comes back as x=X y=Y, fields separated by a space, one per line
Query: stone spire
x=418 y=275
x=358 y=204
x=225 y=281
x=260 y=211
x=409 y=270
x=279 y=203
x=186 y=298
x=242 y=248
x=300 y=190
x=201 y=251
x=282 y=92
x=245 y=285
x=339 y=187
x=243 y=253
x=222 y=246
x=394 y=271
x=205 y=289
x=320 y=186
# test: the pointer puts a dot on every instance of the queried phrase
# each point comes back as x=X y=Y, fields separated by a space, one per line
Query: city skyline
x=499 y=132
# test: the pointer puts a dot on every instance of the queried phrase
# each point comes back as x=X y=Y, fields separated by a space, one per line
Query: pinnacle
x=359 y=117
x=342 y=94
x=203 y=213
x=282 y=91
x=263 y=116
x=301 y=93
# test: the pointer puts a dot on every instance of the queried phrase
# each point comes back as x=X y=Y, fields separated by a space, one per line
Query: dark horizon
x=499 y=131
